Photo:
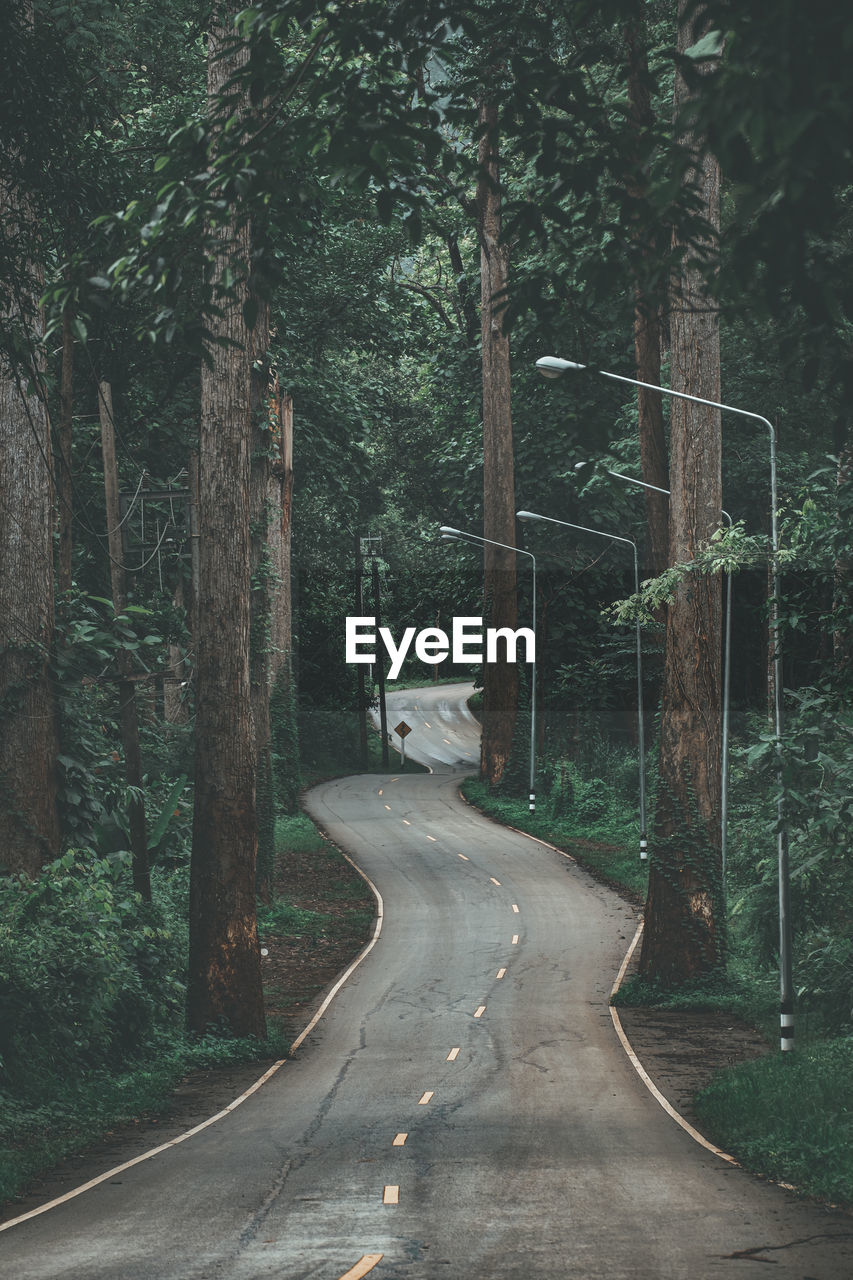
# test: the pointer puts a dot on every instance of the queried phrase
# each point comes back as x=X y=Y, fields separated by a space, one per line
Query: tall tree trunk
x=681 y=922
x=264 y=516
x=29 y=826
x=224 y=981
x=285 y=729
x=280 y=538
x=65 y=427
x=500 y=679
x=647 y=328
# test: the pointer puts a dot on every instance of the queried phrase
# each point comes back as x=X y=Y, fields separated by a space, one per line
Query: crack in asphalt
x=751 y=1255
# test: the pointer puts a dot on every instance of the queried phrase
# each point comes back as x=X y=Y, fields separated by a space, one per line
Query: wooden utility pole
x=379 y=667
x=128 y=715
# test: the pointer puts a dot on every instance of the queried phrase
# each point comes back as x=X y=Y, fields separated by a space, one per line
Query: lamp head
x=527 y=515
x=446 y=528
x=554 y=367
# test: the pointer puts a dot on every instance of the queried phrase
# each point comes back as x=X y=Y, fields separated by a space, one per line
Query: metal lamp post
x=460 y=535
x=554 y=367
x=641 y=735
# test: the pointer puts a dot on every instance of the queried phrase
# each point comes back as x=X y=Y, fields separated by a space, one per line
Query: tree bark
x=285 y=731
x=500 y=679
x=264 y=517
x=224 y=980
x=681 y=938
x=647 y=327
x=29 y=825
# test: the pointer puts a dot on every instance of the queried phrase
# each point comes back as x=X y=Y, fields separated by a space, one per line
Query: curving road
x=464 y=1109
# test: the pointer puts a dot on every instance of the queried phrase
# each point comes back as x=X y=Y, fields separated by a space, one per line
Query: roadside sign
x=403 y=730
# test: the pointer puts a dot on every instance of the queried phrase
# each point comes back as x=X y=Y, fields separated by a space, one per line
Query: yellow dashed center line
x=388 y=807
x=391 y=1195
x=515 y=939
x=447 y=740
x=453 y=1055
x=500 y=973
x=399 y=1140
x=365 y=1263
x=494 y=881
x=433 y=839
x=427 y=723
x=427 y=1097
x=480 y=1011
x=462 y=856
x=406 y=821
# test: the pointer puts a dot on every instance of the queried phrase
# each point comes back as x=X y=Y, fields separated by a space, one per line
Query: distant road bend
x=464 y=1108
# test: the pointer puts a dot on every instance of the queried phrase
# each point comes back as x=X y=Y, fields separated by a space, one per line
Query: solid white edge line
x=641 y=1071
x=363 y=954
x=620 y=977
x=614 y=1016
x=182 y=1137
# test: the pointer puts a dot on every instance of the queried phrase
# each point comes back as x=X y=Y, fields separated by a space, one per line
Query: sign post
x=403 y=730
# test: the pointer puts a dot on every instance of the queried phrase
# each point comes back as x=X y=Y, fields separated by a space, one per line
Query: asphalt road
x=464 y=1108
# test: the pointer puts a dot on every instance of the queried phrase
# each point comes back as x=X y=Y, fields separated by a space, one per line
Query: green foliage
x=608 y=846
x=736 y=989
x=748 y=1110
x=70 y=1110
x=87 y=971
x=817 y=785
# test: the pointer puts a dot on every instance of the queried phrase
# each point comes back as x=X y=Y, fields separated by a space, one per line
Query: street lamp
x=554 y=367
x=727 y=668
x=459 y=535
x=641 y=736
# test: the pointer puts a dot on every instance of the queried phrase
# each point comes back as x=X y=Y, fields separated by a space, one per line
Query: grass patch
x=296 y=833
x=608 y=845
x=746 y=995
x=70 y=1113
x=789 y=1116
x=280 y=919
